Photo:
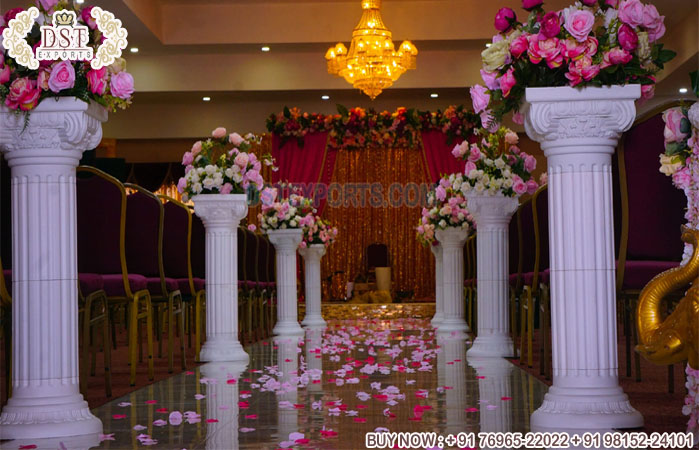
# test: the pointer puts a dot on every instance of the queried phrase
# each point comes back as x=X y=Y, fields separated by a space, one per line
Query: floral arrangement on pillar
x=22 y=89
x=496 y=165
x=295 y=212
x=317 y=230
x=591 y=43
x=446 y=207
x=318 y=234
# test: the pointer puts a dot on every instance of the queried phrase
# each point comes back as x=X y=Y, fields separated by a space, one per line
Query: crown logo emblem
x=64 y=18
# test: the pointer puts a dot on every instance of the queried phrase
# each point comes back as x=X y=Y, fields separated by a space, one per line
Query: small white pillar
x=286 y=242
x=438 y=286
x=311 y=257
x=452 y=242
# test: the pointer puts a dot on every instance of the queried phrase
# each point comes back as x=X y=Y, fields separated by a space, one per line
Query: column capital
x=491 y=209
x=452 y=237
x=220 y=209
x=313 y=251
x=286 y=239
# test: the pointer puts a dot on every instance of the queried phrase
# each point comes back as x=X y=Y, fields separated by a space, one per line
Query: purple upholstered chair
x=144 y=255
x=525 y=218
x=540 y=284
x=177 y=243
x=652 y=212
x=101 y=217
x=198 y=261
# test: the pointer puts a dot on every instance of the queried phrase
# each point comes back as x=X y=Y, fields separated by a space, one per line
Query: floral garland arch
x=358 y=128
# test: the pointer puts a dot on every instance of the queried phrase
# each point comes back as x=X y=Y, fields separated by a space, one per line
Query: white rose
x=237 y=177
x=197 y=188
x=479 y=187
x=499 y=163
x=507 y=183
x=210 y=169
x=473 y=174
x=465 y=188
x=208 y=182
x=293 y=223
x=495 y=56
x=442 y=223
x=229 y=172
x=200 y=170
x=457 y=184
x=506 y=173
x=488 y=162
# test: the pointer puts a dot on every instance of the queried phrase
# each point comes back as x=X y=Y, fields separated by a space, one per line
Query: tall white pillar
x=578 y=130
x=452 y=242
x=492 y=214
x=221 y=214
x=286 y=242
x=311 y=257
x=222 y=403
x=46 y=400
x=438 y=286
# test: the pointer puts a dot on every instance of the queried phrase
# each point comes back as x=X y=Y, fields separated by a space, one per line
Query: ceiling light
x=434 y=95
x=79 y=1
x=207 y=99
x=488 y=45
x=265 y=49
x=134 y=49
x=683 y=90
x=325 y=97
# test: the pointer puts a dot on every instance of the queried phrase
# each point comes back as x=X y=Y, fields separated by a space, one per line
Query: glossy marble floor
x=324 y=392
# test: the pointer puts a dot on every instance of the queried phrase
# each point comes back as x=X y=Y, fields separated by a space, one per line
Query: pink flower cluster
x=317 y=230
x=691 y=401
x=446 y=207
x=293 y=212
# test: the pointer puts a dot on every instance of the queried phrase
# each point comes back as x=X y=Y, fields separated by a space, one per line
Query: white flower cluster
x=481 y=182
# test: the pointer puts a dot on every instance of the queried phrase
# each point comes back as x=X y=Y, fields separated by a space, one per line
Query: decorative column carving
x=286 y=242
x=311 y=257
x=43 y=154
x=221 y=214
x=438 y=286
x=492 y=214
x=578 y=130
x=452 y=241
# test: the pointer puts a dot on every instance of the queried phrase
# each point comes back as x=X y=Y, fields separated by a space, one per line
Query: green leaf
x=287 y=113
x=344 y=112
x=666 y=55
x=674 y=148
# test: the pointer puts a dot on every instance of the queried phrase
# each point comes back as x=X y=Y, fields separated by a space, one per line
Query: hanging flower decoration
x=358 y=128
x=210 y=168
x=293 y=212
x=22 y=89
x=446 y=207
x=496 y=165
x=591 y=43
x=317 y=230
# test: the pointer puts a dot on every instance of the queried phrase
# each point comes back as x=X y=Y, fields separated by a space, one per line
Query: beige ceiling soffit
x=150 y=13
x=684 y=39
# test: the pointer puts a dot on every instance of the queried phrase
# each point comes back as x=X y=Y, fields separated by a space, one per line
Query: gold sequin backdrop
x=412 y=265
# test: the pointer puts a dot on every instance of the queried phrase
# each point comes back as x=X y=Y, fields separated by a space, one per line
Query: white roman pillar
x=492 y=214
x=578 y=130
x=43 y=154
x=222 y=403
x=452 y=242
x=221 y=214
x=286 y=242
x=438 y=286
x=311 y=257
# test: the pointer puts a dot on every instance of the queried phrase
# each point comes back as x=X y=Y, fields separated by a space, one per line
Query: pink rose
x=23 y=94
x=62 y=76
x=218 y=133
x=579 y=23
x=647 y=92
x=252 y=227
x=122 y=85
x=550 y=25
x=518 y=118
x=196 y=148
x=187 y=159
x=507 y=82
x=181 y=185
x=86 y=15
x=582 y=69
x=653 y=22
x=441 y=193
x=531 y=4
x=548 y=49
x=631 y=12
x=517 y=48
x=460 y=149
x=48 y=5
x=469 y=167
x=615 y=56
x=589 y=2
x=490 y=79
x=488 y=121
x=268 y=195
x=518 y=185
x=5 y=73
x=188 y=169
x=530 y=163
x=97 y=81
x=475 y=154
x=682 y=178
x=226 y=188
x=573 y=49
x=628 y=39
x=241 y=160
x=42 y=80
x=532 y=187
x=504 y=19
x=612 y=3
x=674 y=125
x=480 y=98
x=235 y=139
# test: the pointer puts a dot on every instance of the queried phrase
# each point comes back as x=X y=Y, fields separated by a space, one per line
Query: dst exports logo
x=65 y=39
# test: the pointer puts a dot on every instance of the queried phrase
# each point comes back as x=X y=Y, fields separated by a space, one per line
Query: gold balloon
x=676 y=338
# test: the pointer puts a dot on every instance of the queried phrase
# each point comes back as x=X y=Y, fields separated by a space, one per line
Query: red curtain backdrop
x=310 y=165
x=438 y=157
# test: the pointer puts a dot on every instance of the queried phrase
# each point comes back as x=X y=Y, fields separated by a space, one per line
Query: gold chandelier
x=372 y=63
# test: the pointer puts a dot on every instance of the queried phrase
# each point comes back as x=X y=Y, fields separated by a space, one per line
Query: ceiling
x=194 y=48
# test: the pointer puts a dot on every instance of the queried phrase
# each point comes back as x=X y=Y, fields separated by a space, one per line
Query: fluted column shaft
x=46 y=400
x=311 y=257
x=452 y=242
x=221 y=216
x=578 y=131
x=438 y=286
x=286 y=242
x=493 y=215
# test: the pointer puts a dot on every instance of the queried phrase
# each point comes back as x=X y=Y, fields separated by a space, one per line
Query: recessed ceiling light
x=79 y=1
x=325 y=97
x=683 y=90
x=206 y=99
x=134 y=49
x=265 y=49
x=434 y=95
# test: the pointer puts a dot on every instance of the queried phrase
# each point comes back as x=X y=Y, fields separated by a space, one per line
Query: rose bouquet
x=293 y=212
x=446 y=207
x=22 y=89
x=496 y=165
x=317 y=230
x=591 y=43
x=425 y=231
x=210 y=168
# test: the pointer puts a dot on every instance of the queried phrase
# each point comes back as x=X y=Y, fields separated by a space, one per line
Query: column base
x=450 y=324
x=288 y=329
x=437 y=320
x=493 y=346
x=33 y=418
x=586 y=409
x=314 y=321
x=223 y=350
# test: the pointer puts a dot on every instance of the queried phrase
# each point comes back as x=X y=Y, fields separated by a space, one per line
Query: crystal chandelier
x=372 y=63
